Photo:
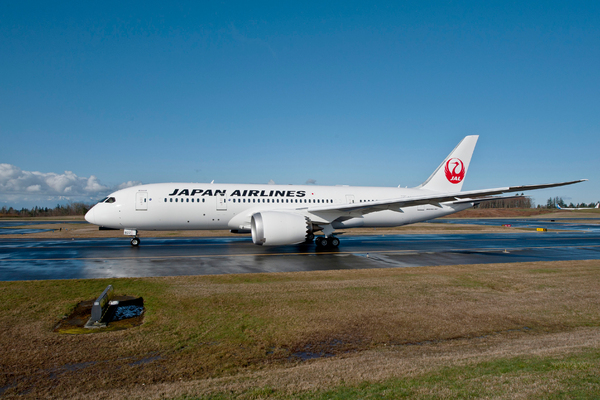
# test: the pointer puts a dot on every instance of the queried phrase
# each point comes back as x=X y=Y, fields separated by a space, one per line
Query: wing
x=332 y=212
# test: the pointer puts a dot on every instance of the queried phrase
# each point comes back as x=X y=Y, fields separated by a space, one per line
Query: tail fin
x=450 y=175
x=598 y=205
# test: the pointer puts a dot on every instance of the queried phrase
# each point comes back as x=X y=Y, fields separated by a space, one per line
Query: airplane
x=292 y=214
x=578 y=208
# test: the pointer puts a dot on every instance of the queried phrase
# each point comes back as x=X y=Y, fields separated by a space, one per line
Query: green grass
x=575 y=376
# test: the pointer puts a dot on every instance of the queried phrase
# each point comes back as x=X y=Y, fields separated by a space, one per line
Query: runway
x=34 y=259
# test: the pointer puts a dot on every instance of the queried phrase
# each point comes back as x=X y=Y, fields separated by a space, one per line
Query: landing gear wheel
x=135 y=242
x=309 y=238
x=321 y=242
x=333 y=241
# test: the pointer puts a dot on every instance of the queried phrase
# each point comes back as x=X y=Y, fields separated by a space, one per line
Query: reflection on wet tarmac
x=19 y=227
x=588 y=224
x=22 y=259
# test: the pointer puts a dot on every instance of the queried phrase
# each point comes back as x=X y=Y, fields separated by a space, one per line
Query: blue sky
x=358 y=93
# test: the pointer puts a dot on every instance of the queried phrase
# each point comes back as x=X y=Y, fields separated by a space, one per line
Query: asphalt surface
x=25 y=259
x=552 y=224
x=18 y=227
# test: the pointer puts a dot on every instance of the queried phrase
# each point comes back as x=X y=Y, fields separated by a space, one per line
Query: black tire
x=334 y=242
x=135 y=242
x=310 y=237
x=321 y=242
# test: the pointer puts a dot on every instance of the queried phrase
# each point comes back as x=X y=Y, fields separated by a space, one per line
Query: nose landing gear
x=135 y=240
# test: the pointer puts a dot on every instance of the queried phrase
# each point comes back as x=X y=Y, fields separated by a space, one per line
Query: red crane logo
x=455 y=170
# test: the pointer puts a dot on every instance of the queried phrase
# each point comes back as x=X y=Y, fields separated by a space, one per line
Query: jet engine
x=274 y=228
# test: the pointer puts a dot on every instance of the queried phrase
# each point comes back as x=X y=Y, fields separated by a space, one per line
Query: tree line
x=554 y=202
x=61 y=210
x=518 y=202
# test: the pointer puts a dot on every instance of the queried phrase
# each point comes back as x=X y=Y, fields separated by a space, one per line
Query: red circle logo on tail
x=455 y=170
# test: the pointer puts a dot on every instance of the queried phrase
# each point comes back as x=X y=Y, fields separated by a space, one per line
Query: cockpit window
x=103 y=200
x=110 y=200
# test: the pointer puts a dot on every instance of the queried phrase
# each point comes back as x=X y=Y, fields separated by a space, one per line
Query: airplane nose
x=89 y=216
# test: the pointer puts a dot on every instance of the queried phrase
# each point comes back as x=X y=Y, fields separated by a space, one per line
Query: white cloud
x=16 y=184
x=127 y=184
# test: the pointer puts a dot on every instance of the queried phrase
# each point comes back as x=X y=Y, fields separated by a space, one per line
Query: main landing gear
x=310 y=238
x=135 y=242
x=327 y=242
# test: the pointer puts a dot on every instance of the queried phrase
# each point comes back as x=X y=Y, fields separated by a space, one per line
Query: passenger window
x=171 y=199
x=165 y=199
x=203 y=200
x=187 y=200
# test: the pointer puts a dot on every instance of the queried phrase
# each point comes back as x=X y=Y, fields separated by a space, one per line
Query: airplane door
x=350 y=199
x=141 y=201
x=221 y=202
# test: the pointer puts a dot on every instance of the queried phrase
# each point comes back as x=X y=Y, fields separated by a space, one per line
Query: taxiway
x=34 y=259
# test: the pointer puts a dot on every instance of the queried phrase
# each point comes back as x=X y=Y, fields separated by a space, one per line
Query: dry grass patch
x=203 y=329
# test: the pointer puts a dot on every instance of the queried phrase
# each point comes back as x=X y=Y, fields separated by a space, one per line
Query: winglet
x=450 y=175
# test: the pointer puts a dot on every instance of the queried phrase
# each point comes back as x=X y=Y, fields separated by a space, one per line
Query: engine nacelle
x=274 y=228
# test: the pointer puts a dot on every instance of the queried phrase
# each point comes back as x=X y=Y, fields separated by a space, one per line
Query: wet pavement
x=20 y=227
x=592 y=224
x=24 y=259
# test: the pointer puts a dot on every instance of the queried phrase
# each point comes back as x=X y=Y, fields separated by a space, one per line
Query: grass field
x=528 y=330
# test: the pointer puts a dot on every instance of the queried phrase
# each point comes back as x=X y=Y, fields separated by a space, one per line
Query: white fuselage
x=290 y=214
x=194 y=206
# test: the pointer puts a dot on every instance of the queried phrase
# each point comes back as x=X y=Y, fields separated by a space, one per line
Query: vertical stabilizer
x=450 y=175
